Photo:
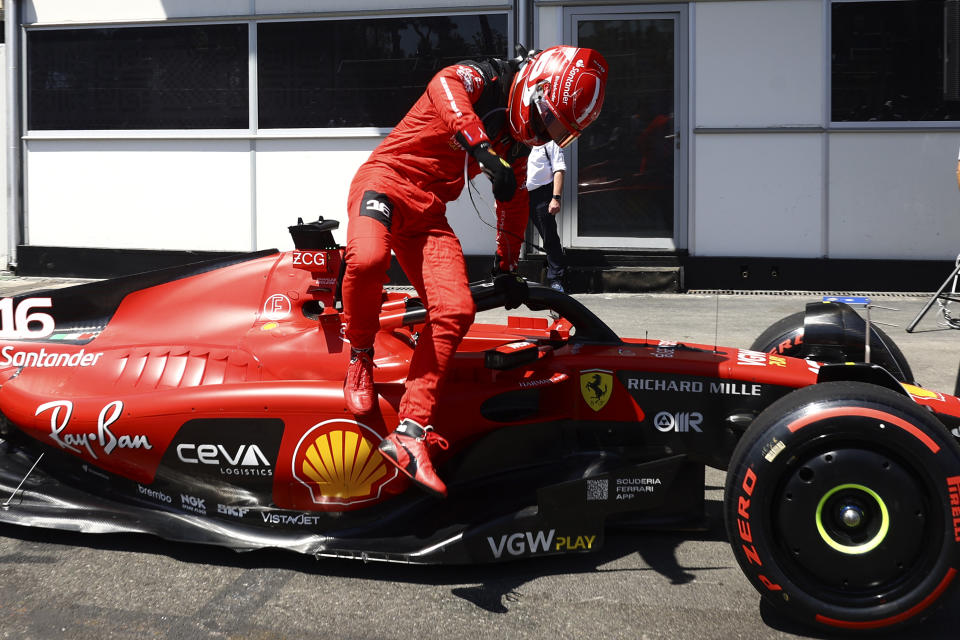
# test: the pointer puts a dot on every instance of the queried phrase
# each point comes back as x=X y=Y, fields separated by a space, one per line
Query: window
x=895 y=61
x=327 y=73
x=181 y=77
x=351 y=73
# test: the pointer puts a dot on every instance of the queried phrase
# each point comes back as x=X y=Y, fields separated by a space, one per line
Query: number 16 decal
x=17 y=323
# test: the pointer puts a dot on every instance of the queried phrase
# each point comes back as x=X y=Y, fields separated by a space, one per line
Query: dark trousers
x=546 y=225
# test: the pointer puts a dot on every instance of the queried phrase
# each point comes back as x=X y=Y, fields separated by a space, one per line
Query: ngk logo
x=678 y=422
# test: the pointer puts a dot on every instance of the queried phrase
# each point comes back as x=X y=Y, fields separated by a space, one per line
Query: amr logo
x=595 y=387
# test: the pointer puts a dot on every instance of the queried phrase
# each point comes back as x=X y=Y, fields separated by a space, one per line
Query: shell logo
x=920 y=392
x=337 y=461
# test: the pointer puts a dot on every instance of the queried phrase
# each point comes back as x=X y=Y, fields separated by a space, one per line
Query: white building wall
x=759 y=64
x=894 y=195
x=758 y=78
x=67 y=11
x=307 y=179
x=311 y=177
x=773 y=176
x=759 y=194
x=72 y=11
x=139 y=194
x=4 y=213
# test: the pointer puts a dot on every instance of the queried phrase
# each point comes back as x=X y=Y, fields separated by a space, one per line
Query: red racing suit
x=397 y=201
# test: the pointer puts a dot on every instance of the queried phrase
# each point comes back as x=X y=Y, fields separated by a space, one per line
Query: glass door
x=627 y=166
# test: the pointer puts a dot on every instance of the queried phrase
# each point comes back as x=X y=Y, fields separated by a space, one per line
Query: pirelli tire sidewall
x=786 y=338
x=848 y=421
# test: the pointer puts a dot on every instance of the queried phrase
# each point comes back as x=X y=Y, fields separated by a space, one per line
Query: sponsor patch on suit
x=377 y=206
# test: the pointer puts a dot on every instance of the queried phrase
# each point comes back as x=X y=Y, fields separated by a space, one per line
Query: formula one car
x=204 y=403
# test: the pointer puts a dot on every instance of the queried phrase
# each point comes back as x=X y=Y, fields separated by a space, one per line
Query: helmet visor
x=548 y=126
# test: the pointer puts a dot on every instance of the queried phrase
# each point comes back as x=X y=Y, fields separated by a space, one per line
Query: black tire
x=785 y=338
x=838 y=507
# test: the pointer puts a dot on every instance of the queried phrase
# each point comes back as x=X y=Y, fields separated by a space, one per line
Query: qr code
x=597 y=489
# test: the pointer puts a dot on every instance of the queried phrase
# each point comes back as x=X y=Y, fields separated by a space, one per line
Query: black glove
x=495 y=270
x=514 y=289
x=497 y=169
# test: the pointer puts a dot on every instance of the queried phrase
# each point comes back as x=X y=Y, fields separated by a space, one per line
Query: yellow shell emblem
x=339 y=465
x=596 y=385
x=920 y=392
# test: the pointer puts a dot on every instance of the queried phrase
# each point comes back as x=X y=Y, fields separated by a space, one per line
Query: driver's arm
x=453 y=90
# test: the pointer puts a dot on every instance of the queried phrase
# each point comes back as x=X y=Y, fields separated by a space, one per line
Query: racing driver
x=474 y=116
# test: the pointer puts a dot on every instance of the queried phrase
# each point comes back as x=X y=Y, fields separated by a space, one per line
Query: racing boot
x=358 y=385
x=407 y=449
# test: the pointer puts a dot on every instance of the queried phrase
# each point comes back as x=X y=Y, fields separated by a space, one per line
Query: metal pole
x=938 y=295
x=14 y=157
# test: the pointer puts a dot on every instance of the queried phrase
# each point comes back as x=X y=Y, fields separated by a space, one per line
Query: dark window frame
x=871 y=81
x=123 y=87
x=253 y=110
x=350 y=83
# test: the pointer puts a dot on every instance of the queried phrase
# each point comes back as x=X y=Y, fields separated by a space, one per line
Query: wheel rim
x=854 y=524
x=852 y=519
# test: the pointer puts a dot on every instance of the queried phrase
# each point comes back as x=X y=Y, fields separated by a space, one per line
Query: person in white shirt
x=545 y=169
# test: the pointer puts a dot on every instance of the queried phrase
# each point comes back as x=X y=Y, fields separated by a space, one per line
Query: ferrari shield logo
x=596 y=386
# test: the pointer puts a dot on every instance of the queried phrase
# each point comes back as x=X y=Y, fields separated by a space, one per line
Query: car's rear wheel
x=839 y=507
x=785 y=338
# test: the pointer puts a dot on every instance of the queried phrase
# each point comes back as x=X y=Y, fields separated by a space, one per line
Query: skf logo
x=679 y=422
x=338 y=463
x=596 y=385
x=953 y=487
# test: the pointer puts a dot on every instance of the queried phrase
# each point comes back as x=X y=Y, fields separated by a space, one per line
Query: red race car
x=204 y=403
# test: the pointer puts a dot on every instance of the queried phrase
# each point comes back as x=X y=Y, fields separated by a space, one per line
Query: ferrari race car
x=204 y=403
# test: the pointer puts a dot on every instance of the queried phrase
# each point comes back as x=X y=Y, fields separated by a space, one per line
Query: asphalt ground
x=642 y=586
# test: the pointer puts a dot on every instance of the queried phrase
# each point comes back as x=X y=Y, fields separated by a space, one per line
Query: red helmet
x=556 y=94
